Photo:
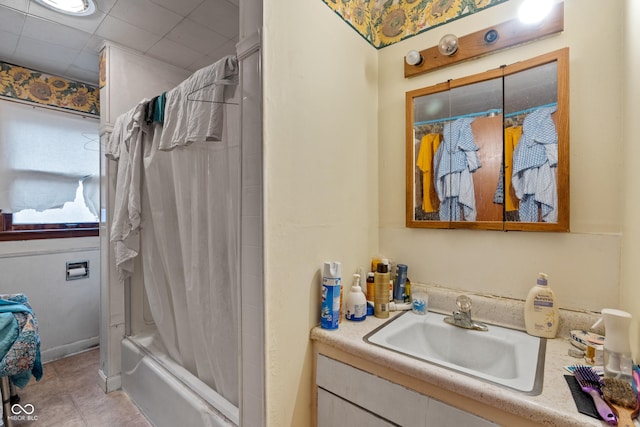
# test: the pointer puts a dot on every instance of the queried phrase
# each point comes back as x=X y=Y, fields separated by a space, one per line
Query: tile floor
x=69 y=395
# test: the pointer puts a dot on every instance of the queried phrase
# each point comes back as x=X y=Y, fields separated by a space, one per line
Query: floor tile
x=69 y=395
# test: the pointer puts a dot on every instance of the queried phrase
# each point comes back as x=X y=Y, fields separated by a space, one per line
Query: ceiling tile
x=85 y=23
x=104 y=5
x=87 y=61
x=126 y=34
x=218 y=15
x=195 y=36
x=146 y=15
x=8 y=43
x=77 y=73
x=33 y=36
x=182 y=7
x=11 y=21
x=173 y=53
x=201 y=62
x=94 y=44
x=53 y=33
x=229 y=48
x=21 y=5
x=46 y=51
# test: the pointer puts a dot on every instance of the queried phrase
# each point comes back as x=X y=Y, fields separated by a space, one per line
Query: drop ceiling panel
x=87 y=60
x=220 y=16
x=53 y=33
x=186 y=33
x=126 y=34
x=146 y=15
x=182 y=7
x=174 y=53
x=21 y=5
x=8 y=44
x=197 y=37
x=11 y=21
x=33 y=49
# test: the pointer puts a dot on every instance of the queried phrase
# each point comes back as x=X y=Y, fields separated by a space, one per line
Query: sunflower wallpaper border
x=22 y=83
x=385 y=22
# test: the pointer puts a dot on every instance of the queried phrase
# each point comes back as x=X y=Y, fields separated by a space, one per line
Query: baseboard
x=59 y=352
x=109 y=384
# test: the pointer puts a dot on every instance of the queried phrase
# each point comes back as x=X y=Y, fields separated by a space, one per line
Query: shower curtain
x=187 y=170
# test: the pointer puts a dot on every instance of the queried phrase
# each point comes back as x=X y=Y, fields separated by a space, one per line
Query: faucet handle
x=464 y=303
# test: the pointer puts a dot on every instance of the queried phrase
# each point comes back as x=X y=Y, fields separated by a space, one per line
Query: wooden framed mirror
x=491 y=151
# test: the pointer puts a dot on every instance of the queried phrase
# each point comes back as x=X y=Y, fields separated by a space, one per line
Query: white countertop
x=554 y=406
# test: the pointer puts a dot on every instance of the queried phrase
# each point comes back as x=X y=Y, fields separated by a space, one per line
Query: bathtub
x=167 y=394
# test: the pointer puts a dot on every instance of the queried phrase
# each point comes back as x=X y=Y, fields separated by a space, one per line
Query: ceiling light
x=70 y=7
x=534 y=11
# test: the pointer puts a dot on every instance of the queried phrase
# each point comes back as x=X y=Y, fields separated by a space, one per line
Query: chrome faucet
x=462 y=316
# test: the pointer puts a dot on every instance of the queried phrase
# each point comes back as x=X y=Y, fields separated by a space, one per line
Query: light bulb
x=534 y=11
x=448 y=45
x=413 y=57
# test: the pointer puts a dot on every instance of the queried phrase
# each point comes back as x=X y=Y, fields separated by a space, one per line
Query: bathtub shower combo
x=175 y=235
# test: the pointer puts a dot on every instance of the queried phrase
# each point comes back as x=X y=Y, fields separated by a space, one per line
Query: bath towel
x=126 y=147
x=20 y=342
x=194 y=110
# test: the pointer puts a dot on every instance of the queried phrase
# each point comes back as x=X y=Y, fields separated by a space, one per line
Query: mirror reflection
x=531 y=145
x=490 y=151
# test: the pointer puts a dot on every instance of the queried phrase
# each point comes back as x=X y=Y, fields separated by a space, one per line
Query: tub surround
x=554 y=406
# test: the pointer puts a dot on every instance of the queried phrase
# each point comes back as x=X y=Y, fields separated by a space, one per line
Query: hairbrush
x=590 y=383
x=620 y=395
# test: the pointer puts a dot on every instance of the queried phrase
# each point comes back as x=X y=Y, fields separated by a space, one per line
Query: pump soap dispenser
x=617 y=351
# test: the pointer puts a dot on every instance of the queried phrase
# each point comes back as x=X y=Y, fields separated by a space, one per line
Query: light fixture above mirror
x=451 y=49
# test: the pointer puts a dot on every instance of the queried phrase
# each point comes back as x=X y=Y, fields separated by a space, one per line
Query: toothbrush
x=590 y=383
x=636 y=381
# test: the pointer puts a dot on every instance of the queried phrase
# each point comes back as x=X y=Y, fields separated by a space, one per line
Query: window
x=49 y=173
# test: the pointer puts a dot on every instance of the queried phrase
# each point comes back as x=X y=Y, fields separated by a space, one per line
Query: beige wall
x=583 y=265
x=630 y=271
x=320 y=172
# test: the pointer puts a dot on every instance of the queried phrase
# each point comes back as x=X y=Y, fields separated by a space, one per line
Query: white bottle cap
x=332 y=269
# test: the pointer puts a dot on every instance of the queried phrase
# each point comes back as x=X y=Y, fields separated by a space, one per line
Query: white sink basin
x=500 y=355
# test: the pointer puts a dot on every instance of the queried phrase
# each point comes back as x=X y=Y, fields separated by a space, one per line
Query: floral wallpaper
x=384 y=22
x=34 y=86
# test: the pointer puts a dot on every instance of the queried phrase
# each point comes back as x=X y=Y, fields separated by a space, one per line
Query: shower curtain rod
x=493 y=111
x=486 y=113
x=529 y=110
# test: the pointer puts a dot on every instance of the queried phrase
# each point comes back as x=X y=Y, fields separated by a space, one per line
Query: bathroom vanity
x=357 y=382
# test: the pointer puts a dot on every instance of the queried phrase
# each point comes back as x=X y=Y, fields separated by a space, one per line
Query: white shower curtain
x=189 y=246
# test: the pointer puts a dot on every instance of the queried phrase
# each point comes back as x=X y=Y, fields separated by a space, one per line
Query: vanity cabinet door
x=347 y=393
x=334 y=411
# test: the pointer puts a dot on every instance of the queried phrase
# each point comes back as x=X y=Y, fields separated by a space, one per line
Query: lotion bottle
x=356 y=308
x=541 y=315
